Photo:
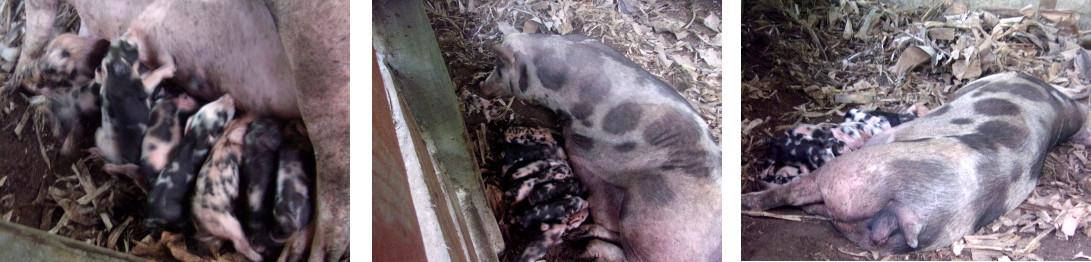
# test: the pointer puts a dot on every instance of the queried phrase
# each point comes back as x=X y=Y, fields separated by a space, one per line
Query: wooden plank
x=403 y=36
x=395 y=231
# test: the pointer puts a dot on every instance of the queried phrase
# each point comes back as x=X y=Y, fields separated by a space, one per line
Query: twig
x=779 y=216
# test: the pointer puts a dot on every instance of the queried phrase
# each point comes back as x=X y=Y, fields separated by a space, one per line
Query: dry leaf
x=565 y=28
x=946 y=33
x=1082 y=64
x=530 y=27
x=1070 y=219
x=966 y=70
x=751 y=124
x=540 y=6
x=507 y=28
x=855 y=98
x=848 y=31
x=711 y=57
x=712 y=22
x=911 y=57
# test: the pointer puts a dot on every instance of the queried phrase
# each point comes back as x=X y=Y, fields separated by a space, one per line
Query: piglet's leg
x=599 y=250
x=800 y=192
x=129 y=170
x=592 y=231
x=153 y=78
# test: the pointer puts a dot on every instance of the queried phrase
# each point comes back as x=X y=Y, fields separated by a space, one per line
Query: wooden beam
x=404 y=39
x=395 y=232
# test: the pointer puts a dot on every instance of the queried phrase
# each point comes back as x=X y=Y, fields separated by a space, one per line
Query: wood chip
x=858 y=254
x=63 y=222
x=88 y=198
x=111 y=241
x=106 y=220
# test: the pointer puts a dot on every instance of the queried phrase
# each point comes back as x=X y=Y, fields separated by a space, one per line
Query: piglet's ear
x=504 y=53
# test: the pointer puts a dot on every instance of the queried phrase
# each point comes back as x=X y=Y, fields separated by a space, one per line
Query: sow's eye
x=500 y=67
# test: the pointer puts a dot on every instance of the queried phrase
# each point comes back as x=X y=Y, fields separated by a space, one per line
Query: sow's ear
x=504 y=53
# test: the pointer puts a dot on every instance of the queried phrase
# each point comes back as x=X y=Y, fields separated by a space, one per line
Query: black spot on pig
x=688 y=161
x=993 y=133
x=582 y=112
x=1026 y=91
x=554 y=189
x=1017 y=174
x=978 y=142
x=523 y=78
x=671 y=129
x=168 y=112
x=991 y=194
x=519 y=156
x=563 y=115
x=625 y=147
x=961 y=121
x=622 y=118
x=582 y=142
x=996 y=107
x=655 y=190
x=1004 y=133
x=551 y=71
x=1033 y=80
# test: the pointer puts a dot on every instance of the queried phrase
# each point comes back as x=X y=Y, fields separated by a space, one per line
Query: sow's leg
x=801 y=192
x=316 y=38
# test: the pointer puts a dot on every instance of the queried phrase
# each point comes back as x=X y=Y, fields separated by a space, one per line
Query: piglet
x=806 y=154
x=217 y=185
x=164 y=134
x=73 y=58
x=295 y=182
x=258 y=176
x=73 y=111
x=166 y=199
x=928 y=182
x=124 y=112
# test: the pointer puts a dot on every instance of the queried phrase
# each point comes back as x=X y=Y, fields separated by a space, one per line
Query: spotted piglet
x=258 y=179
x=928 y=182
x=647 y=159
x=125 y=112
x=546 y=198
x=73 y=110
x=164 y=134
x=165 y=204
x=217 y=186
x=73 y=58
x=294 y=203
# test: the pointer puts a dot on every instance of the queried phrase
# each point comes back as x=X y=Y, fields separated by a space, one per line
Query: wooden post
x=407 y=46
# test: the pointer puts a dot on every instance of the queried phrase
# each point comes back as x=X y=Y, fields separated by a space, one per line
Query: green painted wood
x=404 y=37
x=22 y=243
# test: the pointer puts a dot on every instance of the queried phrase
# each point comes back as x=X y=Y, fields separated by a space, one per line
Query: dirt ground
x=795 y=62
